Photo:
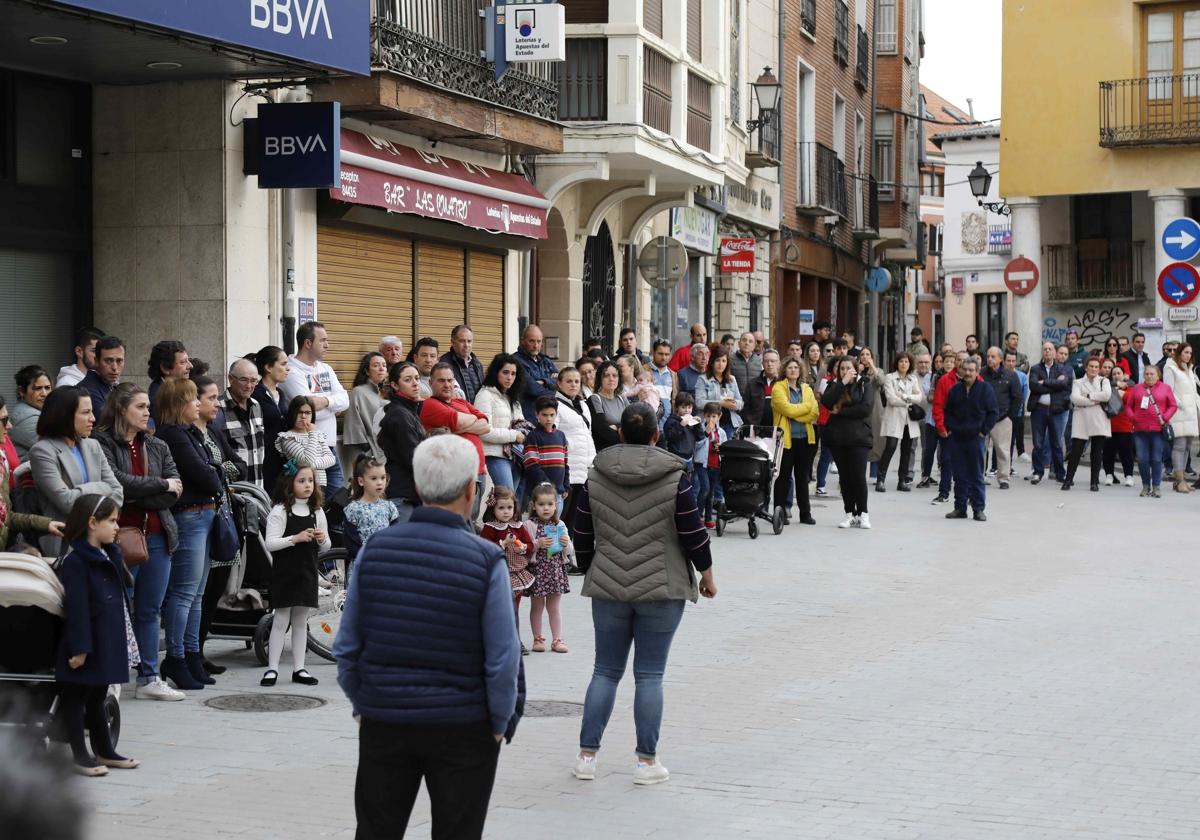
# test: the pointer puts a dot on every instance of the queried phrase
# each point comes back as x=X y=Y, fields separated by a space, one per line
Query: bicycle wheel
x=324 y=621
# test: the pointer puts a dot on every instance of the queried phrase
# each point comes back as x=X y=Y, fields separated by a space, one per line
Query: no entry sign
x=1178 y=284
x=1021 y=276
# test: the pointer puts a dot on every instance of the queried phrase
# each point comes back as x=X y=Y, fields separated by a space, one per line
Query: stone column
x=1168 y=204
x=1027 y=242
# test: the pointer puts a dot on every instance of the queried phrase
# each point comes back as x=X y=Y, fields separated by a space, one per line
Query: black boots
x=195 y=666
x=176 y=670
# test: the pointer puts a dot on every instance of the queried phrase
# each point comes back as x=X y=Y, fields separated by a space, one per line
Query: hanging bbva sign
x=737 y=255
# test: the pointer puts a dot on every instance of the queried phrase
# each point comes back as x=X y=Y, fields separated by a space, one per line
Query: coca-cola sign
x=737 y=255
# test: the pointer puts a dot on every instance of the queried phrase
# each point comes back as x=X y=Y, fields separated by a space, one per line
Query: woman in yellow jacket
x=794 y=408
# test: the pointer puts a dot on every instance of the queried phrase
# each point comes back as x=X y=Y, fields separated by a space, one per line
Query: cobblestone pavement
x=1032 y=676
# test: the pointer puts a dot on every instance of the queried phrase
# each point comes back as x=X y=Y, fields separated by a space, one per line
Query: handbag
x=1115 y=404
x=1168 y=434
x=916 y=412
x=132 y=542
x=224 y=542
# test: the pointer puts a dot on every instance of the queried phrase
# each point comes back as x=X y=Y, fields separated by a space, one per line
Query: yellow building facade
x=1099 y=150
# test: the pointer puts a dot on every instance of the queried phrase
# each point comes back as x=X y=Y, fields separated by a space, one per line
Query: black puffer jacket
x=851 y=425
x=400 y=432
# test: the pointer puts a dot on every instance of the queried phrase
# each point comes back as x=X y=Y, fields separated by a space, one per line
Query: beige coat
x=1088 y=398
x=1186 y=421
x=899 y=393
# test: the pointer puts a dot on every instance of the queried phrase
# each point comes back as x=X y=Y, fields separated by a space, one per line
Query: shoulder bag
x=1168 y=434
x=132 y=542
x=1115 y=405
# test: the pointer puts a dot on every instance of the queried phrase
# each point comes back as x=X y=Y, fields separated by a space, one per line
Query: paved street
x=1033 y=676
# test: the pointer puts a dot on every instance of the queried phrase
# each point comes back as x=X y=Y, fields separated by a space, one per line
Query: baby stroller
x=31 y=626
x=247 y=615
x=749 y=464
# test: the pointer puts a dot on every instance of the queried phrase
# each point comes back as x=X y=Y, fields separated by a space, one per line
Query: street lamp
x=981 y=182
x=766 y=93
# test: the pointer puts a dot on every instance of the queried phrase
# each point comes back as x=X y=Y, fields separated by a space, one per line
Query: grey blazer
x=59 y=483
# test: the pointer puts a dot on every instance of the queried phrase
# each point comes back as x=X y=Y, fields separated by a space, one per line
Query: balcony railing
x=699 y=112
x=999 y=240
x=1101 y=269
x=822 y=185
x=656 y=90
x=583 y=80
x=440 y=43
x=764 y=140
x=841 y=37
x=808 y=16
x=860 y=70
x=866 y=207
x=1156 y=111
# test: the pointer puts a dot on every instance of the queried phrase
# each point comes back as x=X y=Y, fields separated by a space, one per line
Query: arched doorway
x=599 y=287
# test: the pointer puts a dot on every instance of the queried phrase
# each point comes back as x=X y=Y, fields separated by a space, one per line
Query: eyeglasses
x=246 y=380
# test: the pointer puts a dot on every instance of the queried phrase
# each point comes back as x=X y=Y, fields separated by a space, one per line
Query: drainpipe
x=874 y=319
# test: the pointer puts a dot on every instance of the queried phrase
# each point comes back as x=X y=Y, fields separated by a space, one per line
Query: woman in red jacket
x=1150 y=407
x=1121 y=442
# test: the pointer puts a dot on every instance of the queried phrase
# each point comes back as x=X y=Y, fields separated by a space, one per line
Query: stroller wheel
x=777 y=521
x=112 y=711
x=753 y=528
x=720 y=526
x=262 y=635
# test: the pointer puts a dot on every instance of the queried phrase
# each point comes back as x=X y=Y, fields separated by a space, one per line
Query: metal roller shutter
x=37 y=290
x=441 y=291
x=485 y=288
x=365 y=291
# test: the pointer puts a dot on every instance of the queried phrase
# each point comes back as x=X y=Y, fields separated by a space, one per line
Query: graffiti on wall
x=1094 y=325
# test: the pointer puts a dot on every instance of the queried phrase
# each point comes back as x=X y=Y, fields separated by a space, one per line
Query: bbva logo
x=280 y=15
x=290 y=145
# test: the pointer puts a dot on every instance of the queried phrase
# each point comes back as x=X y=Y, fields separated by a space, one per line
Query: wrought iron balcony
x=764 y=146
x=860 y=70
x=866 y=207
x=999 y=240
x=441 y=43
x=1094 y=269
x=822 y=188
x=1154 y=111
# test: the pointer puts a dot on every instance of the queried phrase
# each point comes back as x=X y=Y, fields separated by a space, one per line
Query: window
x=910 y=29
x=885 y=154
x=839 y=126
x=808 y=16
x=934 y=238
x=652 y=17
x=1172 y=49
x=991 y=321
x=584 y=11
x=695 y=33
x=699 y=112
x=885 y=41
x=841 y=40
x=933 y=183
x=755 y=313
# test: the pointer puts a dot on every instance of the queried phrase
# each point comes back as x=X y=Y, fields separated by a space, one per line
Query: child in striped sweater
x=546 y=451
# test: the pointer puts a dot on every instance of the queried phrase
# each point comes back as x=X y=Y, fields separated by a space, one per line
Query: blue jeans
x=189 y=570
x=967 y=458
x=149 y=589
x=501 y=471
x=945 y=465
x=704 y=491
x=1149 y=447
x=334 y=477
x=823 y=463
x=1048 y=429
x=648 y=626
x=929 y=449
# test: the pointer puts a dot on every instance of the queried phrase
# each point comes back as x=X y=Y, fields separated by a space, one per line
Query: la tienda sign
x=737 y=255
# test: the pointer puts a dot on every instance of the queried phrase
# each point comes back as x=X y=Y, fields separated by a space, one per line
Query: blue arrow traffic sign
x=878 y=280
x=1181 y=239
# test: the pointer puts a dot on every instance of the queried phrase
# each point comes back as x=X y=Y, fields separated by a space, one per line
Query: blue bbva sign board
x=333 y=34
x=299 y=145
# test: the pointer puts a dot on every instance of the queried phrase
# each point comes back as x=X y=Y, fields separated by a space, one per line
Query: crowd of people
x=544 y=440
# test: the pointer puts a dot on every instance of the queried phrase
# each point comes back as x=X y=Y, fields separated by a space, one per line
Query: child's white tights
x=298 y=618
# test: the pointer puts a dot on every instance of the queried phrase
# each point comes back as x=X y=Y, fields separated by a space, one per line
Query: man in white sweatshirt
x=309 y=376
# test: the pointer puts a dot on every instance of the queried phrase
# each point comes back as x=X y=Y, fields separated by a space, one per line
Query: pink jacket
x=1146 y=419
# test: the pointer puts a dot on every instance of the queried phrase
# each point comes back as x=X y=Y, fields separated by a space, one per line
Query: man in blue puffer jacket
x=428 y=654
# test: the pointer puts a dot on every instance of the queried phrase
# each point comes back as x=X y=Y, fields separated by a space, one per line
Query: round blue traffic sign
x=878 y=280
x=1181 y=239
x=1178 y=284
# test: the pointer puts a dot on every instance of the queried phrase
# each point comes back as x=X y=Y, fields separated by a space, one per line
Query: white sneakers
x=585 y=767
x=643 y=774
x=157 y=689
x=864 y=521
x=1128 y=481
x=848 y=522
x=1109 y=480
x=650 y=774
x=852 y=521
